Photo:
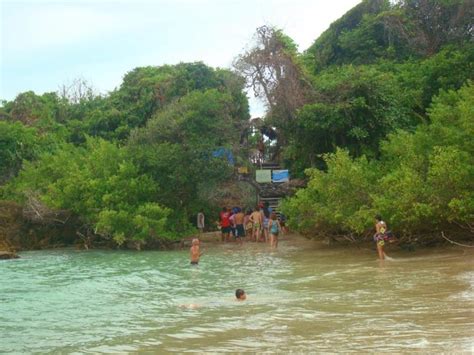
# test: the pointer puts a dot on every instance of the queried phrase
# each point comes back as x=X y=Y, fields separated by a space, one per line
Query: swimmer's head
x=195 y=241
x=240 y=294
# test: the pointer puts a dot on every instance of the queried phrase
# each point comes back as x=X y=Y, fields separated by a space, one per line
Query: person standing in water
x=266 y=212
x=225 y=224
x=195 y=252
x=248 y=224
x=274 y=227
x=257 y=222
x=382 y=234
x=239 y=225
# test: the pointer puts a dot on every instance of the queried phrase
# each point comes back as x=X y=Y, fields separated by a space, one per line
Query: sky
x=46 y=44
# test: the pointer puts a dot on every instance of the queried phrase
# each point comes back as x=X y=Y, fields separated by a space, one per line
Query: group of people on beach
x=261 y=224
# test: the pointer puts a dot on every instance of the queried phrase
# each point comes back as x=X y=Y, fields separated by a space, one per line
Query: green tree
x=338 y=44
x=422 y=184
x=17 y=143
x=178 y=143
x=147 y=90
x=99 y=184
x=336 y=201
x=356 y=109
x=430 y=181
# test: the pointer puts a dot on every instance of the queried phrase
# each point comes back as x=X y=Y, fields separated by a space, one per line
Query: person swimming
x=240 y=295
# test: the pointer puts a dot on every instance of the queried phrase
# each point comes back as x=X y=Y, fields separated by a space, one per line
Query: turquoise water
x=304 y=297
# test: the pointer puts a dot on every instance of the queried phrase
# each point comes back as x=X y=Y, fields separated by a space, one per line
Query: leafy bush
x=335 y=201
x=423 y=183
x=100 y=184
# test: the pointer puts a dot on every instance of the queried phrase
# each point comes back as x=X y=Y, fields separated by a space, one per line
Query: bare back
x=256 y=217
x=239 y=218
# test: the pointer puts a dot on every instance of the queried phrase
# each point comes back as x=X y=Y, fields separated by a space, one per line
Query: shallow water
x=304 y=297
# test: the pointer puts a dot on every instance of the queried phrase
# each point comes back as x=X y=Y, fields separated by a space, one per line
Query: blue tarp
x=280 y=175
x=224 y=152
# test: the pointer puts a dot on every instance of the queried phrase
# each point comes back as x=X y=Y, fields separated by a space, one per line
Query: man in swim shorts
x=257 y=220
x=239 y=225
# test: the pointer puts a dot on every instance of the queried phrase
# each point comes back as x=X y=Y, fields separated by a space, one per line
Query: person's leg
x=224 y=234
x=241 y=233
x=274 y=240
x=380 y=250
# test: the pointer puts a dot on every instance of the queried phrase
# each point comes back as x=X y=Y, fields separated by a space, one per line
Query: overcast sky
x=45 y=44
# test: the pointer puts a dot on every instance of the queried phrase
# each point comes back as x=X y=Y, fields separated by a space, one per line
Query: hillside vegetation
x=377 y=115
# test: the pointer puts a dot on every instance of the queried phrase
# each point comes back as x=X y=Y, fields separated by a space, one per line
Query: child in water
x=382 y=234
x=240 y=295
x=275 y=228
x=195 y=253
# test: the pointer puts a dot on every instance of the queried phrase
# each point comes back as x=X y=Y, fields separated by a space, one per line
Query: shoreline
x=214 y=239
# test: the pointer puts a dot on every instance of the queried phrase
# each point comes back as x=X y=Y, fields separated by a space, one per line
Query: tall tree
x=273 y=72
x=437 y=23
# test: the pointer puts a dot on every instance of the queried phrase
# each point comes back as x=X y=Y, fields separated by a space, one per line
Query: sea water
x=302 y=297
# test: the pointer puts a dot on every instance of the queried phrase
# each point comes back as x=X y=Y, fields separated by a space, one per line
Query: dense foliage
x=423 y=183
x=363 y=123
x=376 y=116
x=99 y=183
x=130 y=166
x=397 y=30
